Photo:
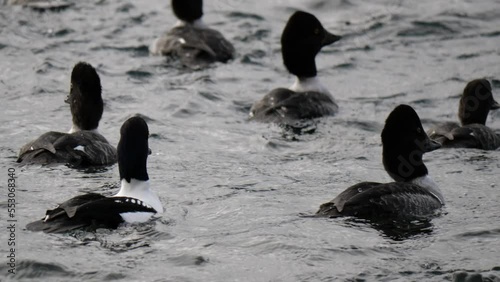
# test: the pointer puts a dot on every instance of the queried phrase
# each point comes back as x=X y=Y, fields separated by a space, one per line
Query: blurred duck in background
x=475 y=104
x=191 y=40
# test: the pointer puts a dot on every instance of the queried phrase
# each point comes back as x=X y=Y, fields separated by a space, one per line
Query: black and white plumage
x=83 y=145
x=476 y=102
x=301 y=40
x=414 y=195
x=193 y=42
x=135 y=202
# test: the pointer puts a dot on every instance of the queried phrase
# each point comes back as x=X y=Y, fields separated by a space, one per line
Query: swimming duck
x=476 y=102
x=134 y=202
x=191 y=40
x=83 y=145
x=413 y=195
x=301 y=40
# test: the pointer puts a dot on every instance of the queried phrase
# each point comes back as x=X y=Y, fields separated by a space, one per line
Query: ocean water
x=238 y=194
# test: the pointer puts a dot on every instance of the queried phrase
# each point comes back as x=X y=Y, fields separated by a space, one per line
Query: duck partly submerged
x=475 y=104
x=83 y=145
x=135 y=202
x=413 y=195
x=301 y=40
x=191 y=40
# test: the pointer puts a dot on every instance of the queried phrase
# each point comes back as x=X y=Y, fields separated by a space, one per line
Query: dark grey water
x=236 y=192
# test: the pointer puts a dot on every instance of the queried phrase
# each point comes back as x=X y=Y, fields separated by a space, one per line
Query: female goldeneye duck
x=194 y=43
x=83 y=145
x=302 y=38
x=414 y=195
x=476 y=102
x=135 y=202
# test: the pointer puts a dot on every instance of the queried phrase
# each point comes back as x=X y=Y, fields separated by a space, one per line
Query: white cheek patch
x=132 y=217
x=79 y=148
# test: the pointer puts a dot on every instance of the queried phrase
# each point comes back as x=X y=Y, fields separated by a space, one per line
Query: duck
x=83 y=145
x=191 y=40
x=475 y=104
x=301 y=40
x=413 y=194
x=135 y=202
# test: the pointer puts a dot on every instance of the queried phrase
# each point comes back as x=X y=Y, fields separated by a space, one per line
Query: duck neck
x=471 y=117
x=403 y=166
x=308 y=84
x=198 y=23
x=76 y=128
x=133 y=187
x=299 y=64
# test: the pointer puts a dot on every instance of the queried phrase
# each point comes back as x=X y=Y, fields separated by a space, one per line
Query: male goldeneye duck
x=193 y=42
x=414 y=195
x=302 y=38
x=135 y=202
x=475 y=104
x=83 y=145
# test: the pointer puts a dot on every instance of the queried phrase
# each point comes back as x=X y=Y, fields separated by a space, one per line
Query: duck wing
x=474 y=136
x=82 y=148
x=40 y=150
x=442 y=132
x=88 y=210
x=59 y=220
x=285 y=106
x=395 y=200
x=335 y=207
x=86 y=148
x=194 y=47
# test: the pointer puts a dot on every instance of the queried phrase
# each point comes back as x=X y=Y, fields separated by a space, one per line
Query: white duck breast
x=140 y=190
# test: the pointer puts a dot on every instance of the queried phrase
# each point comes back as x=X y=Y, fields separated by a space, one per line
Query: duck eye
x=316 y=31
x=419 y=130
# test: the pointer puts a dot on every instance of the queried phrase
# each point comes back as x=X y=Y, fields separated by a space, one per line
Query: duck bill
x=431 y=145
x=329 y=38
x=495 y=105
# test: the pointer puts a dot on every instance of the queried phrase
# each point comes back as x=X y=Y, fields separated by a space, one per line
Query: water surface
x=237 y=193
